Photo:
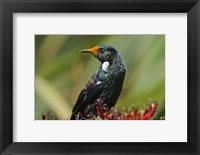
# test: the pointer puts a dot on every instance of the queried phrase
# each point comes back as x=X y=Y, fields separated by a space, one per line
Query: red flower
x=146 y=114
x=133 y=115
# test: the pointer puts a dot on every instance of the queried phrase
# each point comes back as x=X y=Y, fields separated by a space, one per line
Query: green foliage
x=61 y=72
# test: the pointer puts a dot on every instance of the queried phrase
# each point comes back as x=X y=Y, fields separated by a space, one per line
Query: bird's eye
x=101 y=50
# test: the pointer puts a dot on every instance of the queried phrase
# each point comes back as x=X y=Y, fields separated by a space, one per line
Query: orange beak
x=93 y=50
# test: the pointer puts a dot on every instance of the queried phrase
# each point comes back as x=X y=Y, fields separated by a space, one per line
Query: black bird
x=104 y=87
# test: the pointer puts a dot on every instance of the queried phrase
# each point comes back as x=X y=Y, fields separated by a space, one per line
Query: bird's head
x=102 y=52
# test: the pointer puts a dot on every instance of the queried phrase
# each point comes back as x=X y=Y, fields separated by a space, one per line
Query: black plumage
x=104 y=87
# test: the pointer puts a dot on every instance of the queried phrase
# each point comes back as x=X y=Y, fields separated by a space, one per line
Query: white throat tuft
x=105 y=66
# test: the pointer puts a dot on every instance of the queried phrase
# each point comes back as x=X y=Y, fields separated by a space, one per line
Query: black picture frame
x=8 y=7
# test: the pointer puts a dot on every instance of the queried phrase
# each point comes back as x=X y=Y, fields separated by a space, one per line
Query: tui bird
x=104 y=87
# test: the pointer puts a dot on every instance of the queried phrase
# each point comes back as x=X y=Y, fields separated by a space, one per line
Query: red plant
x=146 y=114
x=133 y=115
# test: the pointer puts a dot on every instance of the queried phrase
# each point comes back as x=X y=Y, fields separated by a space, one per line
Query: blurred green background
x=61 y=72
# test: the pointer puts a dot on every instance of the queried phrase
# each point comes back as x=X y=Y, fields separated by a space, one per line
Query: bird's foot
x=104 y=112
x=100 y=111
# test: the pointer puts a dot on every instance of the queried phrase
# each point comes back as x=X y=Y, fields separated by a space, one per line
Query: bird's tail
x=73 y=117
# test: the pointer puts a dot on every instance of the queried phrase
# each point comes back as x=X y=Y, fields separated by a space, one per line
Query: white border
x=174 y=129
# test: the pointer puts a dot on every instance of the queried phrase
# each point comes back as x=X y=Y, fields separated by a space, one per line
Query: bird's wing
x=90 y=92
